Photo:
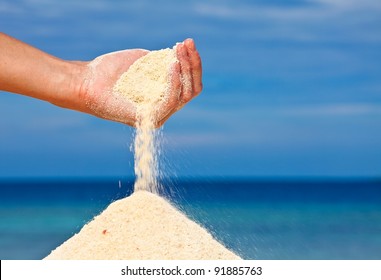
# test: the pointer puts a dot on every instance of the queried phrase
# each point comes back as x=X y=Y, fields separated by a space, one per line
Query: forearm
x=29 y=71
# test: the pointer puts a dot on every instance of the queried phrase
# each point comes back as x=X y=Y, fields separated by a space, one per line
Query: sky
x=291 y=88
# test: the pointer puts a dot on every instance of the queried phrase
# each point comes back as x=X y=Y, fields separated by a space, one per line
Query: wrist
x=71 y=86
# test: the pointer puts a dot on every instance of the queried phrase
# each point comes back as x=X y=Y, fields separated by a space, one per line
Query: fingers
x=186 y=80
x=195 y=62
x=170 y=105
x=186 y=76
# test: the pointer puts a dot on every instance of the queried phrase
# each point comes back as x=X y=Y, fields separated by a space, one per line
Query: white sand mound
x=142 y=226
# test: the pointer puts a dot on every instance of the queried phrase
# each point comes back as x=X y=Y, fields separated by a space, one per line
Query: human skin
x=87 y=86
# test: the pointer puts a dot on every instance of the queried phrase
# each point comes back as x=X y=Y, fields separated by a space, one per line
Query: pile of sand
x=142 y=226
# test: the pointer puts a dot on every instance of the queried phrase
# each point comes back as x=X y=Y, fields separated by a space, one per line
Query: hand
x=186 y=80
x=98 y=81
x=88 y=86
x=102 y=73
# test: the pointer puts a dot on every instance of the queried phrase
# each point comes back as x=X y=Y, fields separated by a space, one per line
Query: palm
x=104 y=71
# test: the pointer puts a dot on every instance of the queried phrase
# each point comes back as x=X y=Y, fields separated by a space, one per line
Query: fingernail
x=190 y=44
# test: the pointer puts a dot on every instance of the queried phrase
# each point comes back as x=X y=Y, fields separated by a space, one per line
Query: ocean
x=258 y=219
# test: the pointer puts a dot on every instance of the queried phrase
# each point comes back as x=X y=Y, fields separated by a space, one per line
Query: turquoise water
x=257 y=219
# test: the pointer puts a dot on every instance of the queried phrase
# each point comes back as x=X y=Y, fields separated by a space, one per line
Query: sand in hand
x=146 y=84
x=143 y=225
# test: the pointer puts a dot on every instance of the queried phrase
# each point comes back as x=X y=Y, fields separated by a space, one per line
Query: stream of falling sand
x=145 y=153
x=146 y=84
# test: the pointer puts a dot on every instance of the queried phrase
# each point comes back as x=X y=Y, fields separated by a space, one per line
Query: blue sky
x=291 y=88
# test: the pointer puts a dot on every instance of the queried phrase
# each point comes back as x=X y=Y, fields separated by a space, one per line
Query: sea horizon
x=337 y=219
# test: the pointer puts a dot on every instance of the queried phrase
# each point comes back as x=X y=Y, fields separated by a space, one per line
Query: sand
x=146 y=81
x=142 y=226
x=146 y=84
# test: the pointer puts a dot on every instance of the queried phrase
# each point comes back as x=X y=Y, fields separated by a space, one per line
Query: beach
x=142 y=226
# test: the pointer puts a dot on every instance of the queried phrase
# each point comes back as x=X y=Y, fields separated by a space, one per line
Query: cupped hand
x=100 y=77
x=103 y=72
x=186 y=80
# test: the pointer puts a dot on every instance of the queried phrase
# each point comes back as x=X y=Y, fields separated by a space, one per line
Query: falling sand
x=146 y=85
x=144 y=225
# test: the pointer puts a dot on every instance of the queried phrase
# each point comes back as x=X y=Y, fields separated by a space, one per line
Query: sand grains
x=142 y=226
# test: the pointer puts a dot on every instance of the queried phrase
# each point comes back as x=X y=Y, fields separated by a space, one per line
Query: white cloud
x=336 y=20
x=257 y=12
x=10 y=8
x=317 y=10
x=351 y=4
x=334 y=110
